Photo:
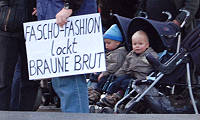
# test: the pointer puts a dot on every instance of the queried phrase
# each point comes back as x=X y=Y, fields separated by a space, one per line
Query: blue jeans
x=73 y=93
x=14 y=100
x=72 y=90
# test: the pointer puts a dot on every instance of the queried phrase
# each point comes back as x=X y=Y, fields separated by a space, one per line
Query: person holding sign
x=12 y=45
x=72 y=90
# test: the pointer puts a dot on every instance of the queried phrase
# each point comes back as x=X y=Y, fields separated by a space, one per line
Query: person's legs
x=14 y=100
x=28 y=88
x=116 y=84
x=198 y=22
x=73 y=93
x=8 y=58
x=93 y=80
x=124 y=84
x=115 y=90
x=101 y=84
x=95 y=92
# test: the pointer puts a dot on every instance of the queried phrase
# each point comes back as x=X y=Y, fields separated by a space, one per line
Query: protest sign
x=77 y=48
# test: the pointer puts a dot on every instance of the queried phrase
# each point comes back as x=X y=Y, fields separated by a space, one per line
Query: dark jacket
x=136 y=66
x=13 y=13
x=74 y=4
x=52 y=7
x=125 y=8
x=114 y=60
x=191 y=5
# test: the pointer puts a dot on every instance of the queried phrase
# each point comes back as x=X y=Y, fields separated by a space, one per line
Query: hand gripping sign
x=77 y=48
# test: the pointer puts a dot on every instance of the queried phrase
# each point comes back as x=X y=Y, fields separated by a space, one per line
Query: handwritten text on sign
x=77 y=48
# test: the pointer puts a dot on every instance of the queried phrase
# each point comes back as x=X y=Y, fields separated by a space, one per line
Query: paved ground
x=49 y=108
x=70 y=116
x=52 y=113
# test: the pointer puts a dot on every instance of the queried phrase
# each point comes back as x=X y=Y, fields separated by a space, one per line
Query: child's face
x=139 y=43
x=111 y=44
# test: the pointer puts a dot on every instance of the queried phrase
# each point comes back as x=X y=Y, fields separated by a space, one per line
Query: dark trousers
x=198 y=22
x=120 y=83
x=12 y=45
x=101 y=84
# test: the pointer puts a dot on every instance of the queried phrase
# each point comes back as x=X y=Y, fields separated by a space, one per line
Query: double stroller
x=173 y=85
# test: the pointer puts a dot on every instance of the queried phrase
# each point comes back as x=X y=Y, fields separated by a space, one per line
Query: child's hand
x=176 y=22
x=100 y=76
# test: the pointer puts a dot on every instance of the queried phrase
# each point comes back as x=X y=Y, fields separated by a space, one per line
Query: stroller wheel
x=134 y=107
x=57 y=101
x=45 y=100
x=92 y=109
x=107 y=110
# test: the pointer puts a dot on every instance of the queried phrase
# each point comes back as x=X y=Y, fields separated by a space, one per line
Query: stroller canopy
x=123 y=24
x=162 y=35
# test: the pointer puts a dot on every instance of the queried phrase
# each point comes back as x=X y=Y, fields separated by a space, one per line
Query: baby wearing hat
x=115 y=56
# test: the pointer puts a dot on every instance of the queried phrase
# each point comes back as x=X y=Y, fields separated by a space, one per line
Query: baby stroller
x=123 y=24
x=170 y=83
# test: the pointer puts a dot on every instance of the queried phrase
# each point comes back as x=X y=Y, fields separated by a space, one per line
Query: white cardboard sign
x=77 y=48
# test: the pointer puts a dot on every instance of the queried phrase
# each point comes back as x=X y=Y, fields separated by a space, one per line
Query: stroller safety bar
x=170 y=66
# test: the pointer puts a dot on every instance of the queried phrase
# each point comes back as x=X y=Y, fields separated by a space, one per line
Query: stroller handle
x=168 y=14
x=186 y=16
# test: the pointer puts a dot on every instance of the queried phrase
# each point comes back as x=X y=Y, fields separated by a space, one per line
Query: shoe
x=90 y=89
x=111 y=100
x=107 y=110
x=94 y=96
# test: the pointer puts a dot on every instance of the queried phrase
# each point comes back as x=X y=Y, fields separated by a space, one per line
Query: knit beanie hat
x=113 y=33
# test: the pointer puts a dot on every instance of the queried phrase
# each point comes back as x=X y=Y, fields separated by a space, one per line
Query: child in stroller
x=114 y=58
x=135 y=66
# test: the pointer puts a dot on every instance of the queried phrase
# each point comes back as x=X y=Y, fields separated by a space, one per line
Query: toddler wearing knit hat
x=115 y=57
